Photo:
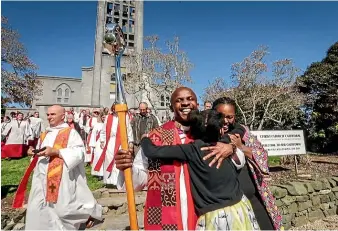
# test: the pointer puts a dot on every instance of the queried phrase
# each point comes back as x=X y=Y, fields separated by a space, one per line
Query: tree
x=262 y=101
x=18 y=76
x=155 y=73
x=320 y=85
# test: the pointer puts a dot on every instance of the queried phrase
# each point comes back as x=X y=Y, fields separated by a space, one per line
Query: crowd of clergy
x=94 y=130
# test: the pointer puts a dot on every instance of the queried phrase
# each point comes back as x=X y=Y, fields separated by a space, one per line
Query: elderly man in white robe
x=67 y=203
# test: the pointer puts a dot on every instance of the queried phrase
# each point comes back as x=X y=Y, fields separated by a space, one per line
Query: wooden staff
x=122 y=110
x=115 y=33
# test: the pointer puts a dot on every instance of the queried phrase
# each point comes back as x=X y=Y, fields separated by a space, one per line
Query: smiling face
x=19 y=116
x=183 y=100
x=228 y=111
x=55 y=115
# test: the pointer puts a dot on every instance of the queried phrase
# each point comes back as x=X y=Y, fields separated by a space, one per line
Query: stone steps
x=115 y=202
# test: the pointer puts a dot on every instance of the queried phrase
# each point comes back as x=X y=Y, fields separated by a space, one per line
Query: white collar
x=59 y=127
x=185 y=128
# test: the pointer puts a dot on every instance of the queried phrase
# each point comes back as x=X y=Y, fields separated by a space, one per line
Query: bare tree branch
x=260 y=96
x=157 y=72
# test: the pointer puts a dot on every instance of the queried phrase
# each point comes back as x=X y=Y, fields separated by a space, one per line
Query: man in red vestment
x=169 y=204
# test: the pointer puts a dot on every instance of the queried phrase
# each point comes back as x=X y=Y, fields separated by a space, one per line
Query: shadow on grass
x=7 y=189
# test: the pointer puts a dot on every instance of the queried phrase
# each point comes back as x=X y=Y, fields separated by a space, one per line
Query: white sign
x=282 y=143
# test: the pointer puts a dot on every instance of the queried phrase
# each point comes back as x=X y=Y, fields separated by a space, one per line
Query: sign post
x=283 y=143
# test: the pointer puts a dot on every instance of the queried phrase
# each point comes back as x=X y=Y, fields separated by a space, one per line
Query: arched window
x=63 y=93
x=59 y=92
x=67 y=92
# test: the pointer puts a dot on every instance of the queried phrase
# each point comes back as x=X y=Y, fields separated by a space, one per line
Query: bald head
x=56 y=115
x=183 y=100
x=179 y=90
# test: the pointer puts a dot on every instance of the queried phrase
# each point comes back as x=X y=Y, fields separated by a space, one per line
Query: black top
x=212 y=188
x=247 y=183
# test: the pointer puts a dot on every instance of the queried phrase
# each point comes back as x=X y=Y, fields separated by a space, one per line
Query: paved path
x=329 y=223
x=118 y=222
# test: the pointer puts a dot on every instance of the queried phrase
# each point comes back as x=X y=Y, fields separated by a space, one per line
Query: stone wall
x=306 y=201
x=299 y=202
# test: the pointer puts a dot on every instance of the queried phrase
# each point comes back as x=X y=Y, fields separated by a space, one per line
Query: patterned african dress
x=260 y=170
x=236 y=217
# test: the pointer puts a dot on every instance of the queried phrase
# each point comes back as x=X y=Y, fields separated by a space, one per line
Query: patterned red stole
x=163 y=204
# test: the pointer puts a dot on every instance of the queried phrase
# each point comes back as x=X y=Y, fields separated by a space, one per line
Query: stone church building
x=96 y=87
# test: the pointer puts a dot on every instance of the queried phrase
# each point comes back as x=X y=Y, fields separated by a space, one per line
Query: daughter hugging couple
x=218 y=200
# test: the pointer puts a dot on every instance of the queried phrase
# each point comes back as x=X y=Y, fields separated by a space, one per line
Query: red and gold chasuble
x=163 y=204
x=54 y=173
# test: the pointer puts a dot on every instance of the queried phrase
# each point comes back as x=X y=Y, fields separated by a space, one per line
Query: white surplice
x=96 y=145
x=111 y=177
x=140 y=178
x=37 y=126
x=19 y=132
x=4 y=125
x=76 y=117
x=76 y=202
x=88 y=128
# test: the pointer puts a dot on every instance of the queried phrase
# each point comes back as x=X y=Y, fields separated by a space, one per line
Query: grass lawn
x=12 y=171
x=273 y=160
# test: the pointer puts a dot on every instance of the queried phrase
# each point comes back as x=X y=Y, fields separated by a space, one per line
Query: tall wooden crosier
x=117 y=40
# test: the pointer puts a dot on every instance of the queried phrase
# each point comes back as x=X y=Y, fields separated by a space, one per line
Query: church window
x=67 y=92
x=164 y=101
x=59 y=92
x=63 y=94
x=167 y=101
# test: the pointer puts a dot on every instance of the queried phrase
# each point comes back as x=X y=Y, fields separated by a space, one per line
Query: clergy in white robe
x=95 y=144
x=111 y=177
x=75 y=202
x=90 y=138
x=37 y=127
x=18 y=132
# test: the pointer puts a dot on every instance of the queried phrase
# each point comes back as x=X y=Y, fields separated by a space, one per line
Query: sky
x=59 y=36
